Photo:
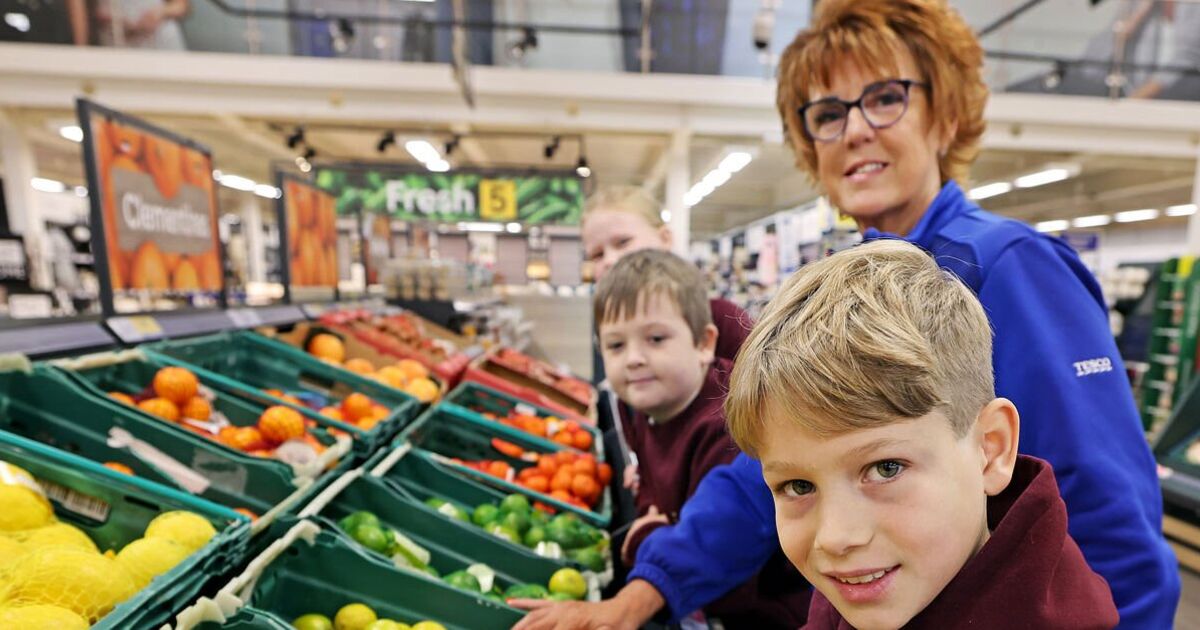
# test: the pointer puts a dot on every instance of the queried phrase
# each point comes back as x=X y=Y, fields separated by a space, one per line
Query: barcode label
x=77 y=502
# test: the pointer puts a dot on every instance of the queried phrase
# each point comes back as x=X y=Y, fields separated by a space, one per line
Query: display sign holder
x=305 y=234
x=143 y=325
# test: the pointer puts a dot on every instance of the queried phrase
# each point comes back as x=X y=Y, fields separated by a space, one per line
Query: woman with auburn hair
x=882 y=101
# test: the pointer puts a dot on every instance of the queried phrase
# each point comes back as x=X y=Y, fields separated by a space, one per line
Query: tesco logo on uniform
x=1093 y=366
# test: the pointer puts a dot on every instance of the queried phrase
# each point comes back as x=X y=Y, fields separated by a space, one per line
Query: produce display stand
x=476 y=399
x=113 y=509
x=312 y=569
x=564 y=390
x=1173 y=336
x=385 y=337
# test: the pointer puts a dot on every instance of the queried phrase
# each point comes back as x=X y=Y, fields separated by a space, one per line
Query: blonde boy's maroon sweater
x=1029 y=574
x=672 y=459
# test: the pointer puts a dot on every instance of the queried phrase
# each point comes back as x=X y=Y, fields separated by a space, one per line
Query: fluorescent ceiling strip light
x=1095 y=220
x=47 y=185
x=237 y=182
x=481 y=227
x=1186 y=209
x=1057 y=225
x=989 y=190
x=1041 y=178
x=735 y=162
x=267 y=191
x=1130 y=216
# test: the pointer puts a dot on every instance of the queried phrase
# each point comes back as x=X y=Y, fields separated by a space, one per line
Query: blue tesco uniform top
x=1054 y=357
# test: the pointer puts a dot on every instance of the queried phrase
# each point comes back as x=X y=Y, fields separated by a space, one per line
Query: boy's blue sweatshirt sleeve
x=1056 y=359
x=725 y=534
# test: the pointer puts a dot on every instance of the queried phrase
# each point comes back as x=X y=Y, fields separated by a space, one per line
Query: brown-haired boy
x=866 y=391
x=657 y=341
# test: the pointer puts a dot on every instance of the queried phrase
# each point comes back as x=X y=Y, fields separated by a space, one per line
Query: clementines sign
x=155 y=199
x=310 y=230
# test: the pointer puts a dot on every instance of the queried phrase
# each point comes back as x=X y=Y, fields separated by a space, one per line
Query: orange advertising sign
x=158 y=209
x=310 y=217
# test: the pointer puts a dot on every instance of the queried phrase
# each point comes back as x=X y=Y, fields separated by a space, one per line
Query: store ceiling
x=247 y=147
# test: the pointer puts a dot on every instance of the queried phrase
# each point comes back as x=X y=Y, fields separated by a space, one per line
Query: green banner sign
x=458 y=196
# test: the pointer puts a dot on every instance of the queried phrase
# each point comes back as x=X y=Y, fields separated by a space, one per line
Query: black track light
x=551 y=148
x=309 y=154
x=527 y=42
x=388 y=139
x=451 y=145
x=582 y=168
x=296 y=137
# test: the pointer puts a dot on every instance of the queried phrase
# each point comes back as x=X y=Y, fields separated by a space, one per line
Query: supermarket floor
x=1187 y=617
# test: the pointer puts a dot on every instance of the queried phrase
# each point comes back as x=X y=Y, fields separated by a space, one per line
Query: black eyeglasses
x=882 y=104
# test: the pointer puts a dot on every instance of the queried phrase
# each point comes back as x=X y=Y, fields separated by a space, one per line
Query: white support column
x=18 y=166
x=256 y=250
x=679 y=180
x=1193 y=229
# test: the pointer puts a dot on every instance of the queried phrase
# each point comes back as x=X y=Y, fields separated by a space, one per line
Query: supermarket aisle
x=1187 y=617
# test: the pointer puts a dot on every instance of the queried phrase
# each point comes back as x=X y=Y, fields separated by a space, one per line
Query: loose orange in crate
x=125 y=398
x=280 y=424
x=356 y=406
x=359 y=366
x=119 y=467
x=422 y=389
x=328 y=347
x=197 y=409
x=160 y=407
x=176 y=384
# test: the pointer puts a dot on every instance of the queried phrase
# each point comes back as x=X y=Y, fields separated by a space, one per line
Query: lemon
x=40 y=617
x=83 y=581
x=22 y=505
x=568 y=582
x=429 y=625
x=146 y=558
x=10 y=552
x=188 y=529
x=312 y=621
x=354 y=617
x=57 y=535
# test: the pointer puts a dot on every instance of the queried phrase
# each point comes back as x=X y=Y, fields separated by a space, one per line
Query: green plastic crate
x=248 y=363
x=114 y=509
x=309 y=570
x=414 y=474
x=52 y=407
x=450 y=432
x=475 y=398
x=453 y=544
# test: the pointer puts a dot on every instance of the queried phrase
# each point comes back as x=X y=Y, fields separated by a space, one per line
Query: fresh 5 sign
x=451 y=197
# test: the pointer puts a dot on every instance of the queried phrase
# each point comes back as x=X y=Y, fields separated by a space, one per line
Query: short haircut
x=640 y=275
x=872 y=335
x=631 y=199
x=869 y=33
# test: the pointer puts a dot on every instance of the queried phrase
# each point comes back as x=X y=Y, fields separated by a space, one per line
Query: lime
x=432 y=571
x=502 y=531
x=515 y=503
x=485 y=515
x=516 y=521
x=372 y=537
x=312 y=621
x=435 y=502
x=429 y=625
x=354 y=617
x=565 y=534
x=527 y=591
x=588 y=557
x=561 y=597
x=495 y=598
x=535 y=535
x=569 y=582
x=463 y=580
x=449 y=509
x=358 y=518
x=538 y=517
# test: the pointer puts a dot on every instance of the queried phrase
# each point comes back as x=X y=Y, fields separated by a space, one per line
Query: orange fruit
x=185 y=278
x=499 y=469
x=248 y=439
x=225 y=434
x=160 y=407
x=280 y=424
x=247 y=513
x=368 y=422
x=328 y=347
x=208 y=265
x=393 y=376
x=564 y=438
x=262 y=452
x=149 y=269
x=604 y=474
x=562 y=480
x=582 y=440
x=413 y=368
x=176 y=384
x=356 y=406
x=332 y=412
x=547 y=465
x=584 y=467
x=196 y=168
x=379 y=411
x=422 y=389
x=585 y=487
x=119 y=467
x=538 y=483
x=359 y=366
x=562 y=495
x=197 y=409
x=564 y=457
x=125 y=398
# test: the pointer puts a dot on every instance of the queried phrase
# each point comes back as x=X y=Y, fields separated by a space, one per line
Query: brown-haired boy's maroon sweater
x=1029 y=574
x=672 y=459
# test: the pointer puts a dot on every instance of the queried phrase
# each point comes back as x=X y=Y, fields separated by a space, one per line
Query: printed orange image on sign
x=311 y=235
x=159 y=211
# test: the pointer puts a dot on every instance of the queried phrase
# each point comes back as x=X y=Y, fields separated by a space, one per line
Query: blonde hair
x=869 y=336
x=642 y=274
x=631 y=199
x=869 y=33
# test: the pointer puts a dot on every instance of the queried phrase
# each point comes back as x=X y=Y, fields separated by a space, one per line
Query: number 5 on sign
x=498 y=200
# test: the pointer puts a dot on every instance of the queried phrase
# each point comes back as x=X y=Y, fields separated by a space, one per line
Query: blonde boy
x=866 y=391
